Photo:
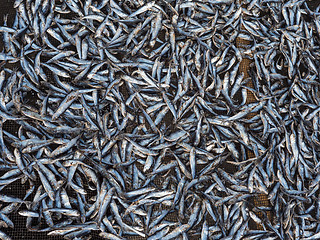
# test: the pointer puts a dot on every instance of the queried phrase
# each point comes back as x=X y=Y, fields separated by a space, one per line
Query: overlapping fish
x=133 y=120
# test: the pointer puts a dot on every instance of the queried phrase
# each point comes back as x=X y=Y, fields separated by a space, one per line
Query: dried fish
x=131 y=112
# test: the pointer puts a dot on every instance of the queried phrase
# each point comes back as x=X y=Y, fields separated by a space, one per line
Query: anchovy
x=161 y=119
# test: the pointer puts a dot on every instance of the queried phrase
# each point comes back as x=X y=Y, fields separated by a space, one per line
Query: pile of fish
x=133 y=119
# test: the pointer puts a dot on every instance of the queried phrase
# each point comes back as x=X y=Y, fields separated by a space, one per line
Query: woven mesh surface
x=260 y=200
x=17 y=189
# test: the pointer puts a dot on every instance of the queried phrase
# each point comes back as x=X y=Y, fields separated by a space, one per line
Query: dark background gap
x=17 y=189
